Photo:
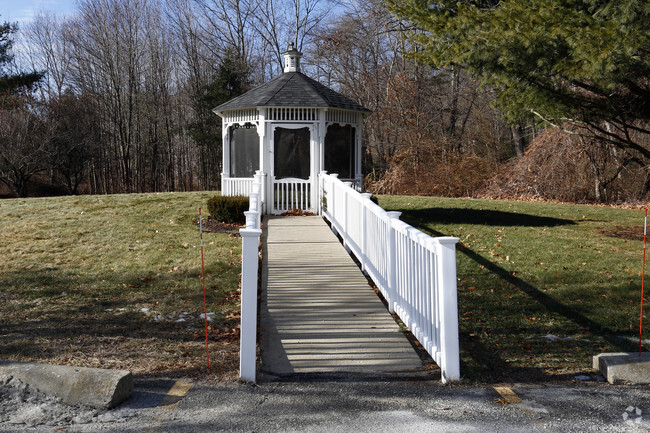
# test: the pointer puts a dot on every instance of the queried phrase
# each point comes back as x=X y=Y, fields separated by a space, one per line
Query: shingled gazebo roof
x=291 y=89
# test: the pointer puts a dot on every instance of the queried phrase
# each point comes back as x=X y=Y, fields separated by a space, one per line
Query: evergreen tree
x=23 y=134
x=586 y=62
x=231 y=80
x=12 y=83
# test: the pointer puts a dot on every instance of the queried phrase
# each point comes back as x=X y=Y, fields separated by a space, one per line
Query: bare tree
x=49 y=50
x=111 y=47
x=23 y=147
x=230 y=24
x=280 y=22
x=359 y=55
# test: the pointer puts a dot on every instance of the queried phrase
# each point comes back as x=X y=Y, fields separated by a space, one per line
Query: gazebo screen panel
x=244 y=150
x=291 y=153
x=339 y=151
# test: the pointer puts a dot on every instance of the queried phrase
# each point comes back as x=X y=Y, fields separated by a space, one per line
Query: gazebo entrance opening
x=292 y=169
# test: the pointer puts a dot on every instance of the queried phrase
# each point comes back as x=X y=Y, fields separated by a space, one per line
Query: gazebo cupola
x=287 y=131
x=292 y=59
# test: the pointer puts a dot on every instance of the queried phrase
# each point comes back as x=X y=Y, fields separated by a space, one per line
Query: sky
x=23 y=11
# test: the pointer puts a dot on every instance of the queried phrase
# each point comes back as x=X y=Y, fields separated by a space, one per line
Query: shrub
x=570 y=168
x=228 y=209
x=425 y=170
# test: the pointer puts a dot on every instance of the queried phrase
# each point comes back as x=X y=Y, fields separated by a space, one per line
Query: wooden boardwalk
x=318 y=313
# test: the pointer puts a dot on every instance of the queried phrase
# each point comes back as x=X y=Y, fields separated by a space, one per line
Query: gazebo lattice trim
x=293 y=114
x=242 y=116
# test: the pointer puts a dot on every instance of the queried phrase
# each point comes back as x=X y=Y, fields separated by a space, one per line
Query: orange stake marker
x=645 y=225
x=205 y=305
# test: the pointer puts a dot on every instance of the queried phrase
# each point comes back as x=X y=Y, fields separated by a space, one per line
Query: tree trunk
x=519 y=139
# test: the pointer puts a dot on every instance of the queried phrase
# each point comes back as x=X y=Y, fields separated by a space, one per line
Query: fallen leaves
x=297 y=212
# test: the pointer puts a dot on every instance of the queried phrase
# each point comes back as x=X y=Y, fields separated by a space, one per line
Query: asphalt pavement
x=356 y=403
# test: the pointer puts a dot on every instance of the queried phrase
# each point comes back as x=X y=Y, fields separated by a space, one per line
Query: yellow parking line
x=508 y=396
x=170 y=402
x=172 y=399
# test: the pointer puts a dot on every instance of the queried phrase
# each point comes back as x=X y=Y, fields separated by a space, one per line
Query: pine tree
x=12 y=83
x=585 y=62
x=231 y=80
x=23 y=147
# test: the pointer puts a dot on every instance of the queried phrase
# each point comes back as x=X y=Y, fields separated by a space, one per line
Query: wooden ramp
x=318 y=313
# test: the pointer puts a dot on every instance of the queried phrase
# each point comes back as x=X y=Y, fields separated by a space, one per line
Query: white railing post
x=448 y=308
x=391 y=258
x=224 y=185
x=364 y=232
x=259 y=180
x=255 y=207
x=332 y=196
x=346 y=226
x=248 y=338
x=253 y=202
x=321 y=191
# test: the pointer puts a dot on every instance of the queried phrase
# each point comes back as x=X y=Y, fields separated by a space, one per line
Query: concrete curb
x=95 y=387
x=624 y=367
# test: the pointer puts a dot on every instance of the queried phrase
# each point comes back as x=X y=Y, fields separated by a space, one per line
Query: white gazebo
x=286 y=132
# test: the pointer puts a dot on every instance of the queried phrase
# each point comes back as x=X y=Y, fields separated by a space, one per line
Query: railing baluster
x=415 y=273
x=292 y=193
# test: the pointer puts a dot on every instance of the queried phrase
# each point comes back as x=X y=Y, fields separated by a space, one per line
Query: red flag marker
x=645 y=225
x=205 y=306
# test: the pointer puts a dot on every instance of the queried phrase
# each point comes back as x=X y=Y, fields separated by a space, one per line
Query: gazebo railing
x=291 y=193
x=237 y=186
x=414 y=272
x=357 y=184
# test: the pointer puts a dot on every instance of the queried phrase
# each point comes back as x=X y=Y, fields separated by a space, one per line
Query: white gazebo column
x=225 y=160
x=322 y=132
x=358 y=175
x=261 y=131
x=315 y=143
x=268 y=165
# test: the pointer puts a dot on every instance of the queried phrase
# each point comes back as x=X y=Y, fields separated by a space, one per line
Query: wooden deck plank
x=318 y=313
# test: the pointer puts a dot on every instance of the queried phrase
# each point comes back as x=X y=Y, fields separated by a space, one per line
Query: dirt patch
x=634 y=233
x=213 y=226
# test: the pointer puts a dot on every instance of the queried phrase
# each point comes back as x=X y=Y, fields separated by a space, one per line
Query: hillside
x=542 y=287
x=114 y=281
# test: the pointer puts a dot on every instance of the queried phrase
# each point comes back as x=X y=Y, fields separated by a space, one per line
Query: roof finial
x=292 y=59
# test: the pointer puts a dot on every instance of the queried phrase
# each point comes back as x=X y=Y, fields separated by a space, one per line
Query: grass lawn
x=115 y=282
x=541 y=286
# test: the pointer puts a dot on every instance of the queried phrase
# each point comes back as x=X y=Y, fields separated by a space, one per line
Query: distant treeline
x=124 y=102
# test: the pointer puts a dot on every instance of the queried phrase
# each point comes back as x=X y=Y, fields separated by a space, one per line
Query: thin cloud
x=24 y=11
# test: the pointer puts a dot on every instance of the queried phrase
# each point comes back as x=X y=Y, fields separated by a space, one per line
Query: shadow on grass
x=482 y=217
x=487 y=358
x=542 y=298
x=60 y=315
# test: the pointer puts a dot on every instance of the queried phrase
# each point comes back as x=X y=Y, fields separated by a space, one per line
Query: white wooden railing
x=291 y=193
x=236 y=185
x=355 y=183
x=250 y=262
x=415 y=273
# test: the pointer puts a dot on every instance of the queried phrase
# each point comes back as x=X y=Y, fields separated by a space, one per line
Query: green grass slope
x=542 y=287
x=114 y=281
